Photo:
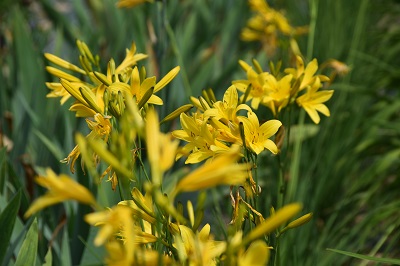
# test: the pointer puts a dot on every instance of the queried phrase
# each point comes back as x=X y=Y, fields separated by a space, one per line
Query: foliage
x=344 y=169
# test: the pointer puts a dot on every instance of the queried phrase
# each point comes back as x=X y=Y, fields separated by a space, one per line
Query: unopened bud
x=177 y=112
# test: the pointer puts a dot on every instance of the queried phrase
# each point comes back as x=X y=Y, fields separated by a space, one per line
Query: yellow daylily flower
x=64 y=64
x=298 y=222
x=60 y=188
x=312 y=101
x=278 y=93
x=223 y=170
x=57 y=90
x=257 y=254
x=270 y=224
x=266 y=25
x=130 y=59
x=198 y=248
x=138 y=209
x=87 y=98
x=257 y=82
x=307 y=73
x=119 y=255
x=111 y=222
x=203 y=143
x=226 y=110
x=256 y=136
x=100 y=129
x=138 y=87
x=82 y=110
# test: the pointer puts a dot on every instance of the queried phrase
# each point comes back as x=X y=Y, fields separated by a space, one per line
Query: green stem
x=295 y=163
x=139 y=156
x=255 y=206
x=313 y=23
x=281 y=184
x=276 y=258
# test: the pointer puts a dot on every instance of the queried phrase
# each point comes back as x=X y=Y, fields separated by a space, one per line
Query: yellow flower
x=100 y=129
x=278 y=93
x=57 y=90
x=257 y=254
x=298 y=222
x=312 y=101
x=60 y=188
x=111 y=221
x=223 y=170
x=198 y=248
x=266 y=25
x=89 y=95
x=226 y=110
x=308 y=74
x=338 y=68
x=256 y=136
x=273 y=222
x=142 y=206
x=203 y=143
x=139 y=88
x=130 y=59
x=89 y=100
x=257 y=82
x=119 y=255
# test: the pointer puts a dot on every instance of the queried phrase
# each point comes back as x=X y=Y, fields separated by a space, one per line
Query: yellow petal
x=244 y=65
x=167 y=79
x=322 y=109
x=312 y=113
x=231 y=97
x=221 y=170
x=62 y=63
x=300 y=221
x=61 y=188
x=270 y=127
x=273 y=222
x=82 y=110
x=73 y=89
x=154 y=99
x=61 y=74
x=257 y=254
x=271 y=146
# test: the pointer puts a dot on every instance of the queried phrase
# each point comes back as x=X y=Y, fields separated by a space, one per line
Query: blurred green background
x=348 y=173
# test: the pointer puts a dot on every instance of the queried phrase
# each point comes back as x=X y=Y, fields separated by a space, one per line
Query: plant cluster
x=148 y=226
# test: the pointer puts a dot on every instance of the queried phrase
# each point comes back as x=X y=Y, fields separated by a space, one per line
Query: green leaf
x=48 y=259
x=27 y=253
x=53 y=147
x=303 y=132
x=365 y=257
x=3 y=168
x=92 y=255
x=7 y=221
x=65 y=250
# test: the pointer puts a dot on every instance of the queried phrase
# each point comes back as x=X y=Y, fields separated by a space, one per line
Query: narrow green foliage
x=7 y=221
x=364 y=257
x=28 y=252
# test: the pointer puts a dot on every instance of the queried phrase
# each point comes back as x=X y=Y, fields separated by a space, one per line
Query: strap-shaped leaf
x=28 y=252
x=7 y=221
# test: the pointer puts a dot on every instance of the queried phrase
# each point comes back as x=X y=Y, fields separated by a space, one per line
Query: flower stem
x=295 y=163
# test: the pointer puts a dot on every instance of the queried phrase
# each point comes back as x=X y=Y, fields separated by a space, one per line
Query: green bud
x=177 y=112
